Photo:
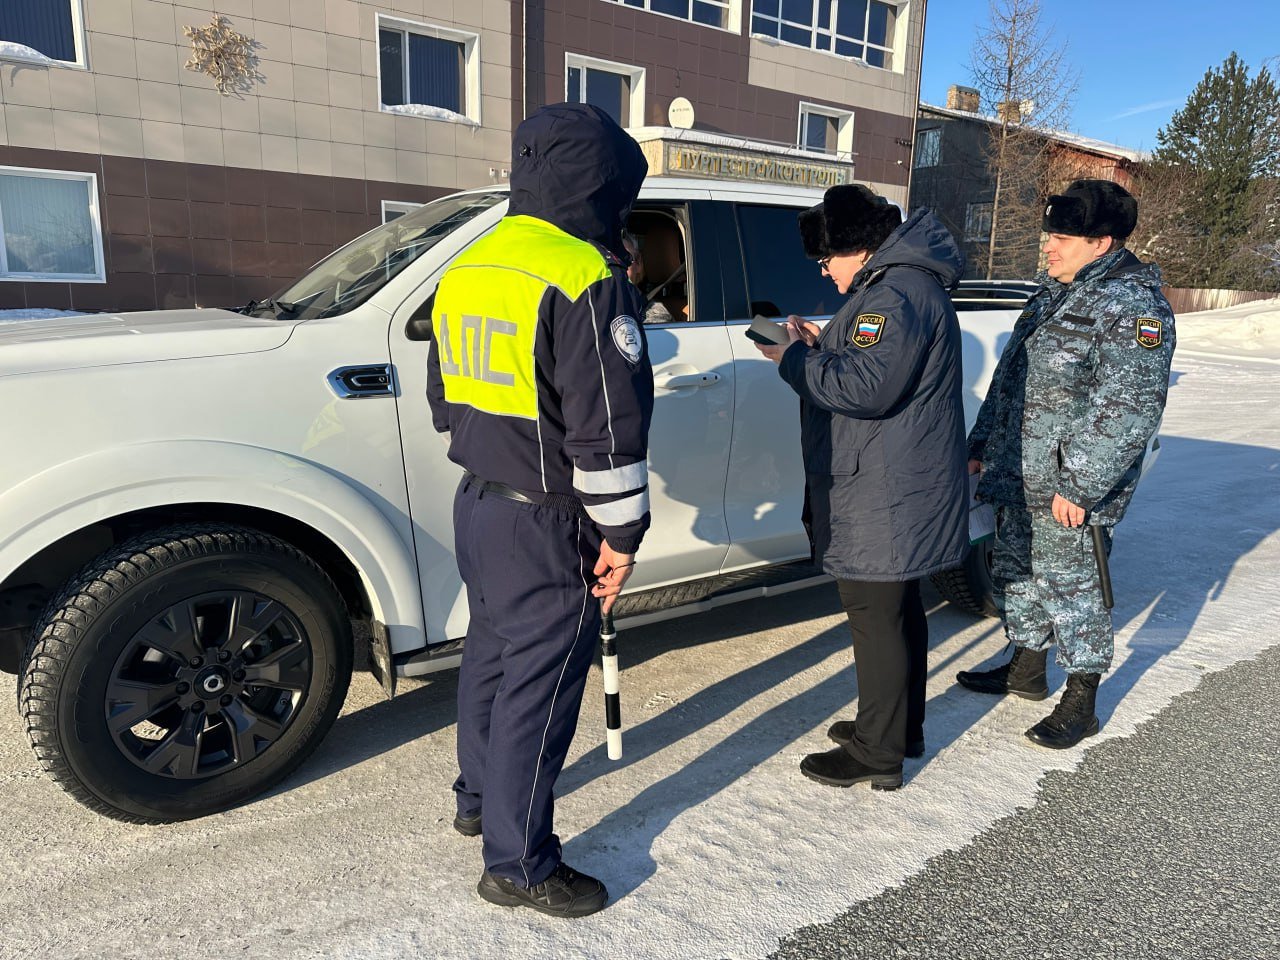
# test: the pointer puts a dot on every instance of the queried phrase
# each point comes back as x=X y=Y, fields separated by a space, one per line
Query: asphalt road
x=1164 y=845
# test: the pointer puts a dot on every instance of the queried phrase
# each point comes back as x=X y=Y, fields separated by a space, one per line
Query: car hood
x=97 y=340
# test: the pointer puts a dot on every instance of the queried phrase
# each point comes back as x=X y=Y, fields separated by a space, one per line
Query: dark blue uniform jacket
x=882 y=417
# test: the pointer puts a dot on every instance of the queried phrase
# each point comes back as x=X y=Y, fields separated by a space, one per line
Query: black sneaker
x=841 y=732
x=566 y=893
x=468 y=826
x=837 y=768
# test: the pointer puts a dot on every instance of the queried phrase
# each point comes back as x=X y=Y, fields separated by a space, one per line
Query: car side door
x=767 y=275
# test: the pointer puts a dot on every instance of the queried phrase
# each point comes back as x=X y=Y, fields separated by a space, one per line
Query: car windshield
x=350 y=276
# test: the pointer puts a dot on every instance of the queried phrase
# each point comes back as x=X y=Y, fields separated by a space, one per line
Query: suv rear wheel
x=970 y=586
x=184 y=672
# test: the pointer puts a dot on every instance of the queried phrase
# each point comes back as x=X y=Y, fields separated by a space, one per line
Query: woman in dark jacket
x=884 y=451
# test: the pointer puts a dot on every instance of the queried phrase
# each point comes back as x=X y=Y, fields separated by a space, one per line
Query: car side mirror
x=419 y=325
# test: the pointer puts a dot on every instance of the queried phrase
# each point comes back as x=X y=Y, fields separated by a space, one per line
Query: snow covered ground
x=711 y=842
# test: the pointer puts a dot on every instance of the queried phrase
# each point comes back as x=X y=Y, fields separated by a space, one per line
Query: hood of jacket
x=921 y=241
x=572 y=166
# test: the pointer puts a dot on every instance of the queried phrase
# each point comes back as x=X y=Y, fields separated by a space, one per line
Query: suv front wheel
x=184 y=672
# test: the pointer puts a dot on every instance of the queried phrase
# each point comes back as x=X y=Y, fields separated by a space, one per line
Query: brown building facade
x=154 y=156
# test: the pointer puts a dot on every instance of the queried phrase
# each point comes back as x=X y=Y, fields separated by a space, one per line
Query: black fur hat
x=850 y=218
x=1092 y=208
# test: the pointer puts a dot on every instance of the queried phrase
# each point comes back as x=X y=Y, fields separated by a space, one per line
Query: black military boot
x=838 y=768
x=1073 y=718
x=1023 y=676
x=566 y=893
x=842 y=732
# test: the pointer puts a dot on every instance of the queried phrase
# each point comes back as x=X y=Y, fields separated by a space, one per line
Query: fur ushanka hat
x=1092 y=208
x=849 y=218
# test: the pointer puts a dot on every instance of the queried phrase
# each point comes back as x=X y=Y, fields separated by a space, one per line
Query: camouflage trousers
x=1049 y=578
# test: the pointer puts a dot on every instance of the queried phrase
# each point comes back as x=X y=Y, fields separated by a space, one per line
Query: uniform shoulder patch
x=867 y=329
x=1150 y=333
x=626 y=337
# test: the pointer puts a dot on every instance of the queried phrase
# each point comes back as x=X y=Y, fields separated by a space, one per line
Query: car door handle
x=690 y=380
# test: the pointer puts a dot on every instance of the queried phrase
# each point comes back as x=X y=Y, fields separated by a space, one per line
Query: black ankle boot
x=1073 y=718
x=838 y=768
x=1023 y=676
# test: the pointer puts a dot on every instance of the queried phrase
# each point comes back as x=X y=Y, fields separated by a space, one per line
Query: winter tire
x=970 y=586
x=185 y=672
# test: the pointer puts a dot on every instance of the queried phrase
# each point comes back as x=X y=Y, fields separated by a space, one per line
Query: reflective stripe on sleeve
x=619 y=512
x=618 y=480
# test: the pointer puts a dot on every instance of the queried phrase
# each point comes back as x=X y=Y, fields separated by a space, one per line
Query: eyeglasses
x=825 y=263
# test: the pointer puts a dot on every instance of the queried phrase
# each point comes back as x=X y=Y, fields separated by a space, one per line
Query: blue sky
x=1138 y=59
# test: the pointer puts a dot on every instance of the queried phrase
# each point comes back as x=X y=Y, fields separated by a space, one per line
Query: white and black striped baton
x=612 y=700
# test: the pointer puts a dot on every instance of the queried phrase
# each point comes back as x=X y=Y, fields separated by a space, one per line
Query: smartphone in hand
x=764 y=330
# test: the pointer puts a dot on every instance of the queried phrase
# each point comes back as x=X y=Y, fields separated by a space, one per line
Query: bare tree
x=1027 y=88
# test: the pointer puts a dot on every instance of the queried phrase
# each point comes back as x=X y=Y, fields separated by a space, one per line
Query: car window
x=780 y=278
x=350 y=276
x=658 y=245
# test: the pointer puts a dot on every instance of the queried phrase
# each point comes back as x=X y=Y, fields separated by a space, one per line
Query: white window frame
x=397 y=206
x=844 y=129
x=733 y=14
x=635 y=74
x=470 y=56
x=896 y=41
x=935 y=133
x=77 y=35
x=95 y=221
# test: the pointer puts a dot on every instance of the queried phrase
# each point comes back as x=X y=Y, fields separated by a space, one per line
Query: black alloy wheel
x=212 y=682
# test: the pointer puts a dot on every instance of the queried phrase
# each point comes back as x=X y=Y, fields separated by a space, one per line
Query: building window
x=428 y=71
x=825 y=129
x=858 y=29
x=49 y=226
x=977 y=221
x=391 y=209
x=615 y=88
x=42 y=30
x=712 y=13
x=928 y=147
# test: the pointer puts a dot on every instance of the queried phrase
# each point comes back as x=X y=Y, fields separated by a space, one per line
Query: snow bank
x=36 y=313
x=1249 y=330
x=424 y=110
x=20 y=51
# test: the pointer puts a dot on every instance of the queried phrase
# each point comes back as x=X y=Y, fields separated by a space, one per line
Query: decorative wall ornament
x=227 y=57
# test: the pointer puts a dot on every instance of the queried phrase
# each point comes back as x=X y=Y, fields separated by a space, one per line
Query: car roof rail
x=992 y=294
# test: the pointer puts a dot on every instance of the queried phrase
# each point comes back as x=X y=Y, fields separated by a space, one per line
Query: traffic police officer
x=1078 y=392
x=540 y=377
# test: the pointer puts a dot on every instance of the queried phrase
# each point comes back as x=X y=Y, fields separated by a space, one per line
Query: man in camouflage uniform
x=1078 y=392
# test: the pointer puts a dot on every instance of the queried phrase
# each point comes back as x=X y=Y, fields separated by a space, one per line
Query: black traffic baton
x=612 y=700
x=1104 y=568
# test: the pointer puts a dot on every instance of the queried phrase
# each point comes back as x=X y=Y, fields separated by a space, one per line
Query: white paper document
x=982 y=519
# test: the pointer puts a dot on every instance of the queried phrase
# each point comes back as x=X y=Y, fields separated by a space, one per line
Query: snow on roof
x=1063 y=136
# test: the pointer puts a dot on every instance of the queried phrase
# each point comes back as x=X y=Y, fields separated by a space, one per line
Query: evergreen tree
x=1227 y=137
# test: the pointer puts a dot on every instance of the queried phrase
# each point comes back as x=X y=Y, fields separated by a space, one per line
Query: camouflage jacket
x=1079 y=390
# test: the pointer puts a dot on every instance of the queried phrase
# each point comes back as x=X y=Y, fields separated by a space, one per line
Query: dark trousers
x=890 y=645
x=528 y=571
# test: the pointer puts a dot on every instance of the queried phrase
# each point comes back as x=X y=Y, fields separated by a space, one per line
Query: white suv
x=198 y=506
